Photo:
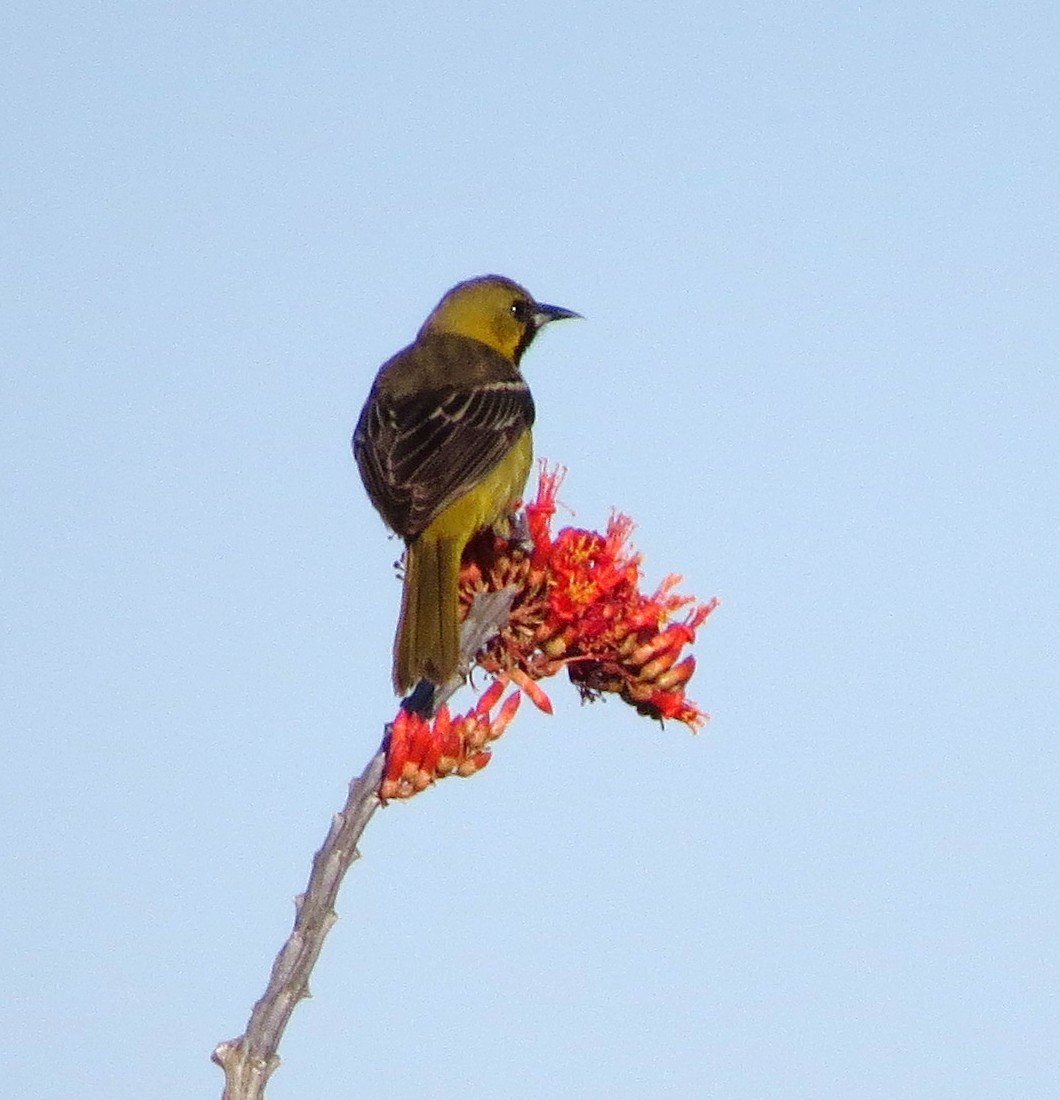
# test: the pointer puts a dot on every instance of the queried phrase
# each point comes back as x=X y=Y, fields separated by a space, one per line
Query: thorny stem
x=250 y=1060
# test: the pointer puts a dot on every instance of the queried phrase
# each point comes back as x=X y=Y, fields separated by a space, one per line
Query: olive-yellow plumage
x=444 y=449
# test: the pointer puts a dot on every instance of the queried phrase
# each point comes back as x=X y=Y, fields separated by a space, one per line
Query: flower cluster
x=577 y=607
x=421 y=750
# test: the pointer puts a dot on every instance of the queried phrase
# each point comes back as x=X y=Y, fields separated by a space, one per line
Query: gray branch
x=487 y=614
x=251 y=1059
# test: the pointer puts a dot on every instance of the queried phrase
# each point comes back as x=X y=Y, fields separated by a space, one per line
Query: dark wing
x=420 y=452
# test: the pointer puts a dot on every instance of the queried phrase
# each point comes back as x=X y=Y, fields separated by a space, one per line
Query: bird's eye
x=521 y=310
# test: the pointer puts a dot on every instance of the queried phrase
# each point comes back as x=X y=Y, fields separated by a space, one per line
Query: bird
x=443 y=445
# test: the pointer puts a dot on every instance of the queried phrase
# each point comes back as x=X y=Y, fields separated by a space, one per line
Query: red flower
x=421 y=750
x=577 y=607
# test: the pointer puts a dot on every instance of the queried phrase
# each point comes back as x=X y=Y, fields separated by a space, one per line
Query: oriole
x=444 y=448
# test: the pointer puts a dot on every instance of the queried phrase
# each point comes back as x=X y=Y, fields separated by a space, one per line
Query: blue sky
x=817 y=248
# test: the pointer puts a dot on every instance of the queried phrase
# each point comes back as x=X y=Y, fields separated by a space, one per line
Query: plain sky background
x=817 y=247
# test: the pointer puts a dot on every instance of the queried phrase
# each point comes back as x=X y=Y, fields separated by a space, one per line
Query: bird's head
x=494 y=311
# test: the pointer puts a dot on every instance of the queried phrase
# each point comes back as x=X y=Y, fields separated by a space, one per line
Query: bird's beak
x=543 y=314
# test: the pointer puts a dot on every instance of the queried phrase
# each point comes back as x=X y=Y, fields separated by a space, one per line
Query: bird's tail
x=427 y=645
